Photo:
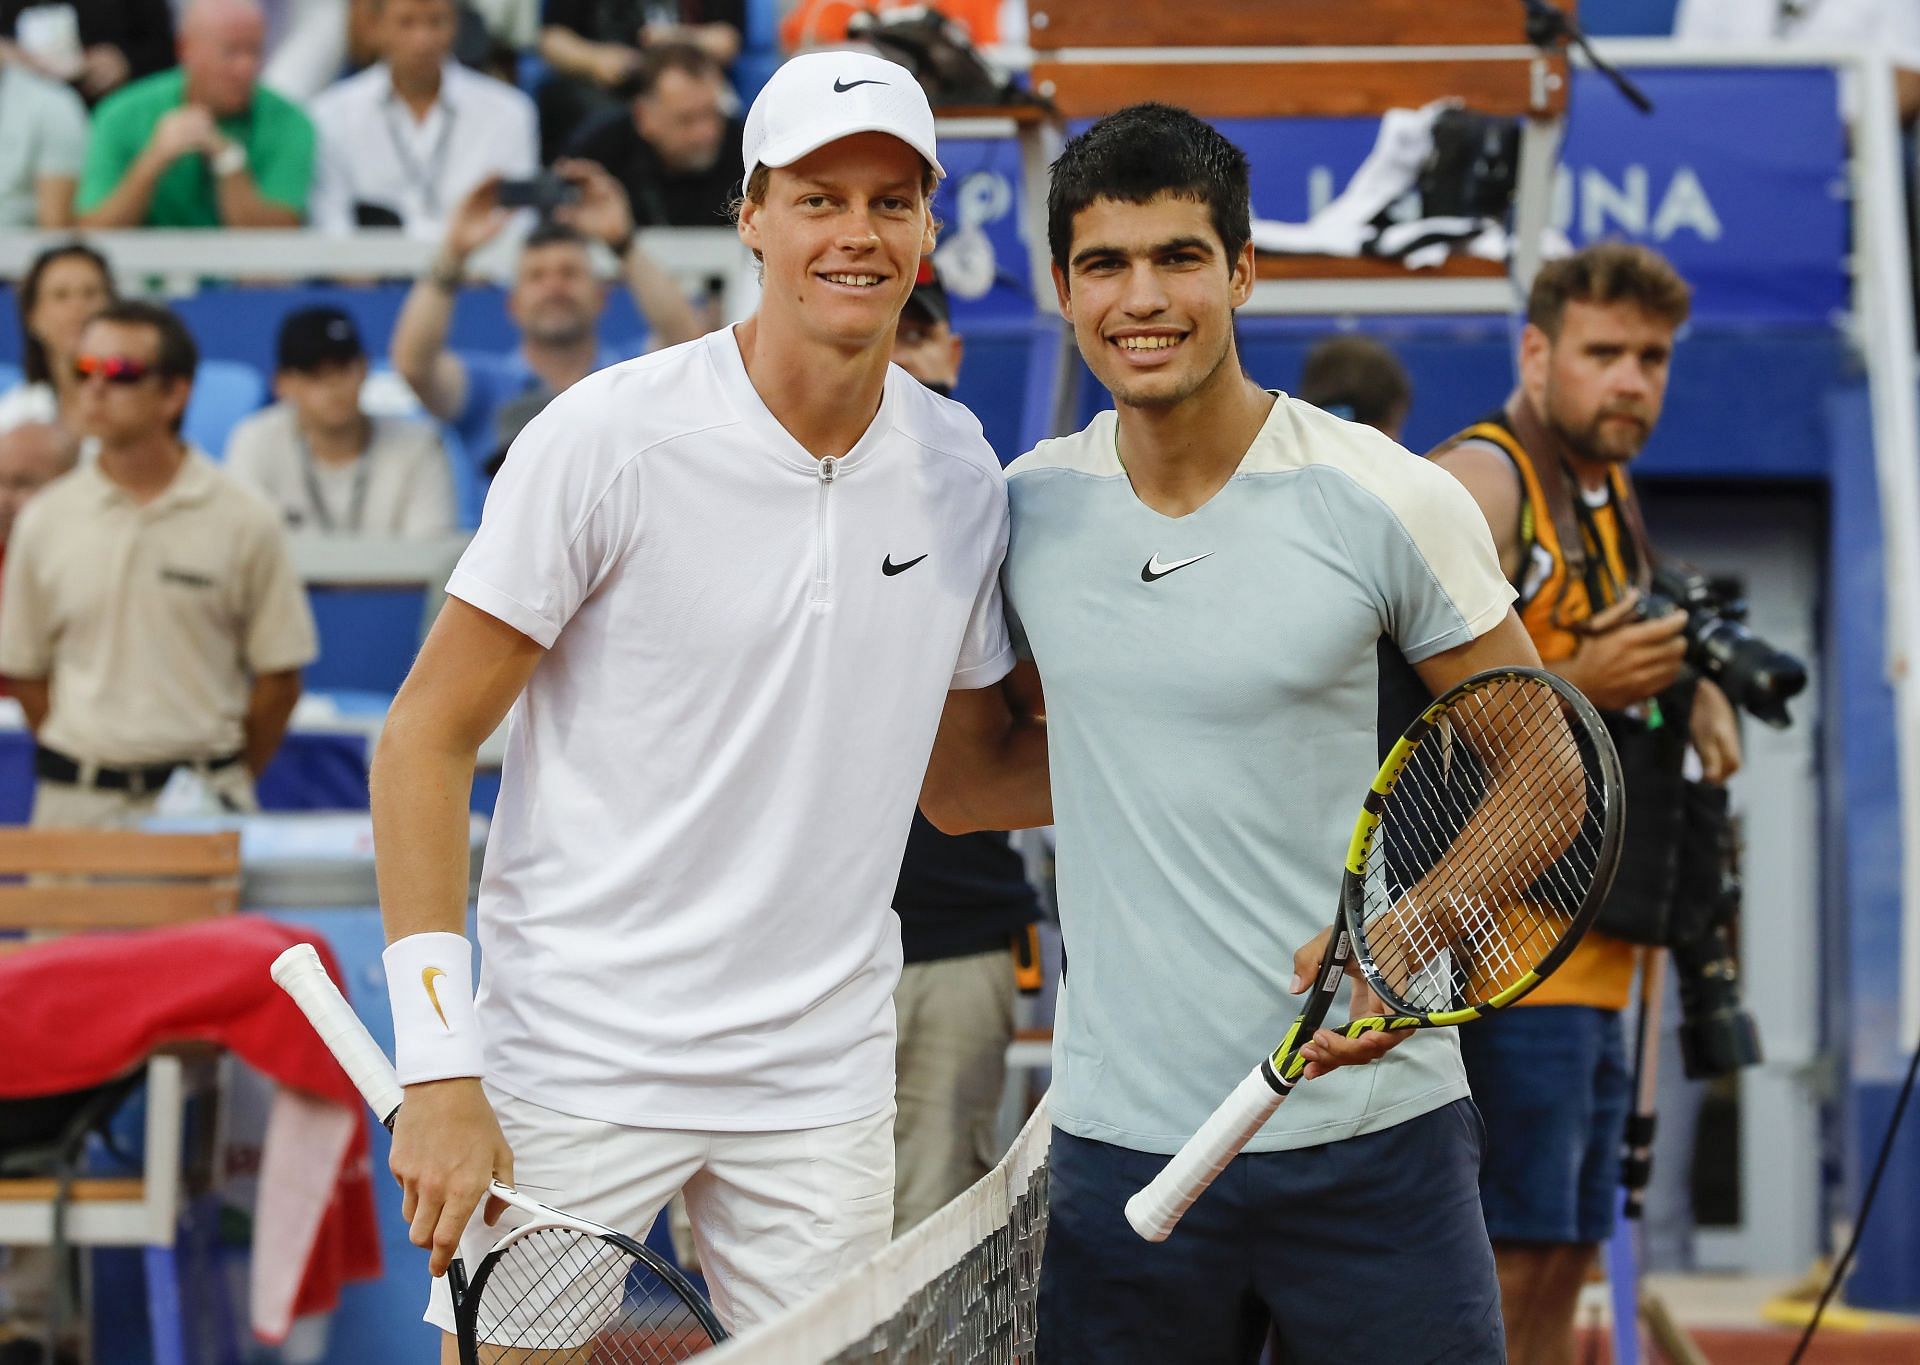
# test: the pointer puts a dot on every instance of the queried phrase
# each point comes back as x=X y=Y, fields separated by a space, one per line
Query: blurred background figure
x=673 y=149
x=153 y=621
x=65 y=286
x=32 y=455
x=925 y=344
x=322 y=461
x=407 y=139
x=306 y=46
x=95 y=46
x=44 y=146
x=594 y=48
x=509 y=28
x=821 y=23
x=202 y=145
x=555 y=303
x=1357 y=378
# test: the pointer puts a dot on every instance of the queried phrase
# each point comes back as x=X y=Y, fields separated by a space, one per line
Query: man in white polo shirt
x=725 y=589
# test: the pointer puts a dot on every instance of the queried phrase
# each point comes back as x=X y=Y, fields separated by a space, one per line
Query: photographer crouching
x=1549 y=470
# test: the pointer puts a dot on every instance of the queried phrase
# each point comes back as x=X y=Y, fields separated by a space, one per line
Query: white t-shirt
x=684 y=913
x=402 y=484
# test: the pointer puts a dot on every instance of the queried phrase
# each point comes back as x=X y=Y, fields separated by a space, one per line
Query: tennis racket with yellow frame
x=1484 y=848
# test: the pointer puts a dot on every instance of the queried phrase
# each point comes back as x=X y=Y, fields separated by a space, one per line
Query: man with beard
x=674 y=151
x=555 y=301
x=1549 y=470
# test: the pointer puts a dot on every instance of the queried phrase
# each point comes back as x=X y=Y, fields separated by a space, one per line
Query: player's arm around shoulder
x=447 y=1144
x=988 y=769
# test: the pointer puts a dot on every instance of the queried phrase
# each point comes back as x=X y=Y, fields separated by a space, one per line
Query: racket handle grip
x=1157 y=1209
x=298 y=972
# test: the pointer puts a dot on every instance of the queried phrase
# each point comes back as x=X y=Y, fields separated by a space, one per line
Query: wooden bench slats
x=1291 y=89
x=1276 y=23
x=74 y=906
x=119 y=853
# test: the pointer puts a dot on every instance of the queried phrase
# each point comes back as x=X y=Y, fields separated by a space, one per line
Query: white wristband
x=430 y=984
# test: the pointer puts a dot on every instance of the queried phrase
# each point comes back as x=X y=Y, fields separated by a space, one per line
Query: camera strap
x=1604 y=588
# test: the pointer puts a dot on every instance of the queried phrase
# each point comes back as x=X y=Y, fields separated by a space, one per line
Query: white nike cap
x=821 y=97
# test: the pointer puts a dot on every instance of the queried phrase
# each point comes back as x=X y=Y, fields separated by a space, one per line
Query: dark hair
x=550 y=233
x=35 y=364
x=178 y=357
x=1604 y=273
x=1357 y=378
x=657 y=60
x=1138 y=154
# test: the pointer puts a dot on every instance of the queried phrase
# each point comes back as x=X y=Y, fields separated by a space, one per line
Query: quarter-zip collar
x=724 y=350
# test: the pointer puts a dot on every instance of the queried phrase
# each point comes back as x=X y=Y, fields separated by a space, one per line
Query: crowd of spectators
x=342 y=114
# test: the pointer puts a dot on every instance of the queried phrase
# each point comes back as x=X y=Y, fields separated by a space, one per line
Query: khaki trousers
x=69 y=805
x=955 y=1019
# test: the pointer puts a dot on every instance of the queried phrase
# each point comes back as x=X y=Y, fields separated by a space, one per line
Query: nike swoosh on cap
x=426 y=979
x=889 y=568
x=1153 y=568
x=841 y=87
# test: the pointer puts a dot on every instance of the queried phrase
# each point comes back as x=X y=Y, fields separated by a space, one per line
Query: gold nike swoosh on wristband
x=426 y=979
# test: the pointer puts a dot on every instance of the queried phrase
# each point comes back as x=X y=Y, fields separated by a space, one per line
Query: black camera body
x=1756 y=677
x=543 y=193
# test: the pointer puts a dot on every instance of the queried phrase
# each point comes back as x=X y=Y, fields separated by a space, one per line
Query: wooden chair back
x=80 y=879
x=1292 y=58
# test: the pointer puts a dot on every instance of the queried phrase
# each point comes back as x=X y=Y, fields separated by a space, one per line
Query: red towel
x=80 y=1010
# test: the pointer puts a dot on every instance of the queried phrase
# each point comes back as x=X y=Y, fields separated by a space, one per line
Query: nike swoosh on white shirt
x=1153 y=568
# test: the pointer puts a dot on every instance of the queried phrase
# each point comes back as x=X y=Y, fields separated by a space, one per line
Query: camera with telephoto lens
x=1717 y=1036
x=1755 y=676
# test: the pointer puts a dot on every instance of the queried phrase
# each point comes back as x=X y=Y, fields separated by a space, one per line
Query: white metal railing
x=180 y=260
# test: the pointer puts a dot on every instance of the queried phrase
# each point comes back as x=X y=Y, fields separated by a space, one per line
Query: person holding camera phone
x=1549 y=470
x=555 y=301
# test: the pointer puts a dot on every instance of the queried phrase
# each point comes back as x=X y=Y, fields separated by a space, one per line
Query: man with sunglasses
x=153 y=619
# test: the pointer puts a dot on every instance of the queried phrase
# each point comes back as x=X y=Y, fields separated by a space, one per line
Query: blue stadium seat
x=759 y=50
x=224 y=391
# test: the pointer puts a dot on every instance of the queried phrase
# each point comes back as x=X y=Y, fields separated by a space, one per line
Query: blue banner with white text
x=1739 y=176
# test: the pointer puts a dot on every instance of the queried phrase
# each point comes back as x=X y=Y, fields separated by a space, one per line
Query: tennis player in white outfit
x=721 y=593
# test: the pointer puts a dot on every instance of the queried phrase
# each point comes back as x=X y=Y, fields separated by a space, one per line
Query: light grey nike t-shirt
x=1212 y=693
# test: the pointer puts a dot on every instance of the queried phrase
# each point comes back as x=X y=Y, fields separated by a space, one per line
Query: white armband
x=436 y=1034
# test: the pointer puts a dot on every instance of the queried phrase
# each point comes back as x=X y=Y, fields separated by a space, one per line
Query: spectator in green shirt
x=202 y=145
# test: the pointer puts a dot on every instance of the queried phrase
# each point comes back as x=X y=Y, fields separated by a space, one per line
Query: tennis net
x=959 y=1289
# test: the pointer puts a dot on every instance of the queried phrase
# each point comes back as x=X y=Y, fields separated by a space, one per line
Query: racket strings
x=1488 y=845
x=557 y=1296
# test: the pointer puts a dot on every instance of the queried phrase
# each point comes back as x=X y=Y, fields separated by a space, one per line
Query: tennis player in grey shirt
x=1202 y=578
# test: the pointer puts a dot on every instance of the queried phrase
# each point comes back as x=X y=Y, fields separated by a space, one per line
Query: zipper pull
x=827 y=465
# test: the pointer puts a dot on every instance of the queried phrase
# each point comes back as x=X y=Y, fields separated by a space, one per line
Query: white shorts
x=776 y=1216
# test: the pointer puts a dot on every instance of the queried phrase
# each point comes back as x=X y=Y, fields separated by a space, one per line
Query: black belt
x=55 y=766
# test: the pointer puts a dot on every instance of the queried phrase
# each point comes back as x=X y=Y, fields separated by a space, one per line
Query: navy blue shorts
x=1367 y=1249
x=1552 y=1081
